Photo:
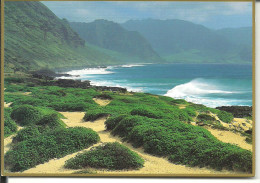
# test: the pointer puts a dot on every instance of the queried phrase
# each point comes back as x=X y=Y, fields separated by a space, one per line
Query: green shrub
x=92 y=115
x=126 y=125
x=26 y=115
x=13 y=80
x=113 y=156
x=225 y=116
x=181 y=143
x=205 y=117
x=146 y=112
x=113 y=121
x=16 y=88
x=53 y=144
x=10 y=126
x=52 y=121
x=26 y=134
x=68 y=106
x=179 y=101
x=190 y=111
x=104 y=96
x=30 y=101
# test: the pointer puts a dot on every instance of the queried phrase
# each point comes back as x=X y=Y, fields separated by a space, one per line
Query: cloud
x=121 y=11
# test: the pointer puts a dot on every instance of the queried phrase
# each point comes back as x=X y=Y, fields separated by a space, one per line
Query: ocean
x=209 y=84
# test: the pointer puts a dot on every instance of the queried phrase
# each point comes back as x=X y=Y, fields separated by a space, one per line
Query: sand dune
x=101 y=101
x=231 y=137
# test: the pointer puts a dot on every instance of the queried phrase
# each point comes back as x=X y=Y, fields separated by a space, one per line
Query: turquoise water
x=209 y=84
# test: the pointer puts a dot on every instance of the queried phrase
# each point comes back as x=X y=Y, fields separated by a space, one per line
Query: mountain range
x=35 y=38
x=183 y=41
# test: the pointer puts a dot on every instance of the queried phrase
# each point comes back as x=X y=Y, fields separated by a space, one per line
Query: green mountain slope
x=35 y=37
x=242 y=37
x=183 y=41
x=111 y=36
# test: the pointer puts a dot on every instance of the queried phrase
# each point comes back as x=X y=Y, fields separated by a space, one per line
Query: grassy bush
x=225 y=116
x=26 y=134
x=65 y=106
x=52 y=121
x=113 y=121
x=10 y=126
x=104 y=96
x=53 y=144
x=29 y=101
x=26 y=115
x=13 y=80
x=205 y=117
x=181 y=143
x=144 y=111
x=179 y=101
x=190 y=111
x=113 y=156
x=92 y=115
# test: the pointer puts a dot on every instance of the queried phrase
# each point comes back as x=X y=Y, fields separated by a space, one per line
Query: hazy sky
x=211 y=14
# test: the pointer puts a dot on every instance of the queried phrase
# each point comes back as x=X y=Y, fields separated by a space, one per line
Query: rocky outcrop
x=237 y=111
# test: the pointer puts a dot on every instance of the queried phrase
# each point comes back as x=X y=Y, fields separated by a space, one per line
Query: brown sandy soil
x=8 y=141
x=182 y=106
x=230 y=137
x=153 y=164
x=27 y=93
x=7 y=104
x=240 y=124
x=101 y=101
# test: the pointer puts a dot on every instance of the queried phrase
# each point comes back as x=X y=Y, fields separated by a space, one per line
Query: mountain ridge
x=183 y=41
x=110 y=35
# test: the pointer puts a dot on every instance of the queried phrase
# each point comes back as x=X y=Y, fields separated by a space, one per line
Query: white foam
x=133 y=65
x=198 y=90
x=90 y=71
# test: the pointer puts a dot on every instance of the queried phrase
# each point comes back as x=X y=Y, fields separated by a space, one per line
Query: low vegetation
x=225 y=116
x=155 y=123
x=52 y=144
x=26 y=134
x=112 y=156
x=180 y=142
x=92 y=115
x=26 y=115
x=10 y=126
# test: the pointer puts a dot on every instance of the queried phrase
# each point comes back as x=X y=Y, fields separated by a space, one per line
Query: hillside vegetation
x=36 y=38
x=111 y=36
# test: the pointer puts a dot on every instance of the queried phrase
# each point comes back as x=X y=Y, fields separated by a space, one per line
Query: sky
x=215 y=15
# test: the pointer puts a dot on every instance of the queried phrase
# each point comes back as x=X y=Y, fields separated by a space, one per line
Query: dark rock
x=237 y=111
x=249 y=132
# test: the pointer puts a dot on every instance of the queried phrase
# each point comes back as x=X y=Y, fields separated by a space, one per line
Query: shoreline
x=70 y=77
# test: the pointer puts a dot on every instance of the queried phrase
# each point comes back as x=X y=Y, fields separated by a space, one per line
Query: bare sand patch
x=8 y=141
x=27 y=93
x=7 y=104
x=102 y=102
x=230 y=137
x=153 y=164
x=182 y=106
